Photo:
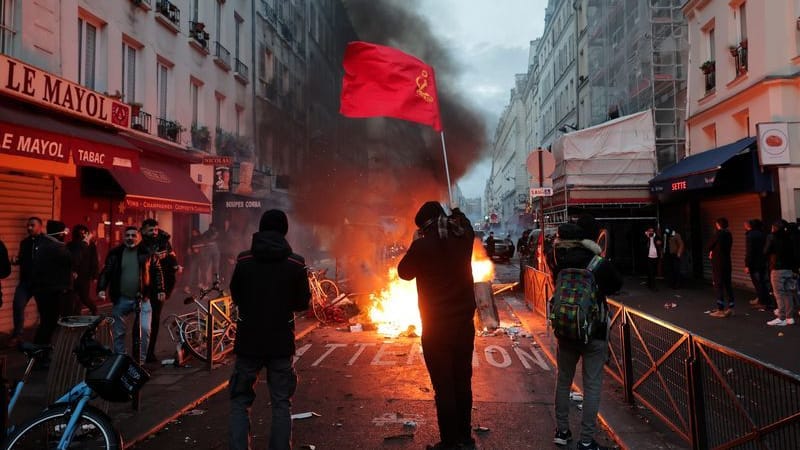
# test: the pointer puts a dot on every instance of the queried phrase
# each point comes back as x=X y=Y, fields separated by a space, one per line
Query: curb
x=203 y=397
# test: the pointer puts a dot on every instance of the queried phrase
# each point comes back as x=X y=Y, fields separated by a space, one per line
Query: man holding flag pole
x=382 y=81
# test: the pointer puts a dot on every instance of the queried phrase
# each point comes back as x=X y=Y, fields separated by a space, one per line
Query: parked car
x=503 y=249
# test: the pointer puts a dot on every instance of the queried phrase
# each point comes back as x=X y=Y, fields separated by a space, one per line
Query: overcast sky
x=491 y=41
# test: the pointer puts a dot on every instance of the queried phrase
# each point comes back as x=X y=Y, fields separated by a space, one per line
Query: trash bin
x=65 y=371
x=486 y=311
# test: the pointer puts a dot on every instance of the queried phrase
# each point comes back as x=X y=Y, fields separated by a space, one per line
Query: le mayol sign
x=32 y=84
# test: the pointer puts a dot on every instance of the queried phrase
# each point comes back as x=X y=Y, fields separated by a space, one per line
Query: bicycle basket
x=117 y=379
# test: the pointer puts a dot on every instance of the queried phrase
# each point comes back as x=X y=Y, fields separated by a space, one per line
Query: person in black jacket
x=28 y=248
x=84 y=269
x=783 y=268
x=5 y=267
x=440 y=259
x=130 y=274
x=157 y=243
x=575 y=248
x=268 y=285
x=755 y=263
x=719 y=252
x=52 y=281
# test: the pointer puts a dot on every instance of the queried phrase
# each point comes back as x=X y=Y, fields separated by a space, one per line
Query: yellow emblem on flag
x=422 y=84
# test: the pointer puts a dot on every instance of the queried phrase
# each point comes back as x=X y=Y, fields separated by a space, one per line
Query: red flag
x=383 y=81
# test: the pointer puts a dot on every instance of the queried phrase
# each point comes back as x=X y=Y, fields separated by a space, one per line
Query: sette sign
x=541 y=192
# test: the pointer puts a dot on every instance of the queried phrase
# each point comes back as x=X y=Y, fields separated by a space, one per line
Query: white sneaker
x=789 y=321
x=777 y=322
x=777 y=312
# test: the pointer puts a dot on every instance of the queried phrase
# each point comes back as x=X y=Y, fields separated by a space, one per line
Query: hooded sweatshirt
x=268 y=285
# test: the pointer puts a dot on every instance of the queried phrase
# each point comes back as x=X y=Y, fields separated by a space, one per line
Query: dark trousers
x=81 y=297
x=49 y=305
x=761 y=282
x=282 y=382
x=723 y=285
x=673 y=263
x=652 y=269
x=447 y=348
x=155 y=324
x=22 y=295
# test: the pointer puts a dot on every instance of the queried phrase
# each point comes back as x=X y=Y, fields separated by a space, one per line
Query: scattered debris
x=669 y=305
x=410 y=424
x=481 y=429
x=308 y=447
x=576 y=396
x=579 y=406
x=305 y=415
x=729 y=372
x=195 y=412
x=357 y=328
x=338 y=424
x=398 y=437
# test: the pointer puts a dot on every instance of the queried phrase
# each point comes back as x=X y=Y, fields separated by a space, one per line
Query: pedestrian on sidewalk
x=653 y=245
x=268 y=285
x=719 y=252
x=490 y=248
x=783 y=269
x=439 y=259
x=673 y=252
x=5 y=267
x=84 y=269
x=755 y=263
x=28 y=248
x=52 y=281
x=157 y=243
x=130 y=274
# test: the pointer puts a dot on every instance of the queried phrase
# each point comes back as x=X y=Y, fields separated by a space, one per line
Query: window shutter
x=91 y=42
x=130 y=91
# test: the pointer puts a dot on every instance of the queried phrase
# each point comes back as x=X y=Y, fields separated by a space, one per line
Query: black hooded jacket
x=443 y=270
x=161 y=248
x=52 y=267
x=268 y=285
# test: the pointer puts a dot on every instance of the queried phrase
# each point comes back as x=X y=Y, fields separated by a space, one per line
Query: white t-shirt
x=653 y=253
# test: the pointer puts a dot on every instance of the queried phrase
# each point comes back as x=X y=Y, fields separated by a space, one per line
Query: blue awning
x=700 y=170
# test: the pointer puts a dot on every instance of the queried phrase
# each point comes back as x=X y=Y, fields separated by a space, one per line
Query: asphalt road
x=372 y=392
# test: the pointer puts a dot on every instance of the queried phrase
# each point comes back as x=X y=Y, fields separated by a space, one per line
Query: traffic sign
x=540 y=164
x=541 y=192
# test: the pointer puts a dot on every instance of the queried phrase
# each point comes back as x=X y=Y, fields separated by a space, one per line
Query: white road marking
x=358 y=353
x=492 y=350
x=331 y=348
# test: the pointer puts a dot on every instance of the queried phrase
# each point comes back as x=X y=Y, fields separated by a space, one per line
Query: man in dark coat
x=755 y=263
x=28 y=248
x=575 y=248
x=5 y=267
x=84 y=269
x=719 y=252
x=440 y=259
x=783 y=269
x=157 y=243
x=52 y=281
x=268 y=285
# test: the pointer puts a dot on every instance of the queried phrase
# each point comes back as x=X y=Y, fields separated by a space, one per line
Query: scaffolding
x=638 y=51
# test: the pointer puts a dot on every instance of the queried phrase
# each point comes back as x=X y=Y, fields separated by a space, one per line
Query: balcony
x=709 y=71
x=285 y=30
x=739 y=54
x=222 y=57
x=199 y=36
x=140 y=120
x=268 y=12
x=169 y=15
x=144 y=4
x=267 y=90
x=241 y=72
x=169 y=129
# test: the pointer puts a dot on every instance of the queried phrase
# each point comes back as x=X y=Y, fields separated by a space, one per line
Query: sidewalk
x=170 y=392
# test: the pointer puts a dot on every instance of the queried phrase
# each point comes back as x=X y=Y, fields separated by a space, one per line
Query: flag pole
x=447 y=169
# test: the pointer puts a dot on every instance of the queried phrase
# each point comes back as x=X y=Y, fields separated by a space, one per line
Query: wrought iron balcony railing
x=241 y=69
x=197 y=31
x=739 y=54
x=222 y=55
x=140 y=120
x=169 y=129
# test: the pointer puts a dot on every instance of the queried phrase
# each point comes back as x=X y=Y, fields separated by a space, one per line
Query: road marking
x=358 y=352
x=397 y=418
x=376 y=361
x=300 y=351
x=331 y=348
x=415 y=353
x=491 y=350
x=535 y=357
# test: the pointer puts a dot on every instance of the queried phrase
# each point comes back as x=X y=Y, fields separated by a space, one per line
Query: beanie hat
x=570 y=231
x=274 y=220
x=55 y=227
x=428 y=212
x=589 y=226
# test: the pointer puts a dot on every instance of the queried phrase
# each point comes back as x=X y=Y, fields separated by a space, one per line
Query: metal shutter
x=20 y=197
x=737 y=209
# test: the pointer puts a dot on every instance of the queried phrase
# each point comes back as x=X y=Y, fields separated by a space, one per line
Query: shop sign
x=32 y=84
x=243 y=204
x=145 y=204
x=215 y=160
x=21 y=141
x=222 y=179
x=773 y=143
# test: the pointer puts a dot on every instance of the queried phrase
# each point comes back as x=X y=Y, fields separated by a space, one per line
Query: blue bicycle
x=71 y=423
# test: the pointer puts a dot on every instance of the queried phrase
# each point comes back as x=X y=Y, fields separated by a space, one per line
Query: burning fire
x=394 y=310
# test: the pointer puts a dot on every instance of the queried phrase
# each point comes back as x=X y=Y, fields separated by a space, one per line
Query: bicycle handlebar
x=89 y=352
x=215 y=287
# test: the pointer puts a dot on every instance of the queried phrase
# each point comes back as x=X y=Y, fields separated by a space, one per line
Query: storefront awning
x=27 y=133
x=700 y=170
x=161 y=186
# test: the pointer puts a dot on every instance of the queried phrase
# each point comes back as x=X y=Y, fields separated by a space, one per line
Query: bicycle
x=71 y=422
x=33 y=353
x=324 y=296
x=190 y=329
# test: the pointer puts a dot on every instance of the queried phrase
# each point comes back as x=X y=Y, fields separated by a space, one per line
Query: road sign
x=541 y=192
x=540 y=164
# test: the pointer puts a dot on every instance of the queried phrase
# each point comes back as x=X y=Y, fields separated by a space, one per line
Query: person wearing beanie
x=52 y=281
x=28 y=248
x=439 y=259
x=782 y=266
x=157 y=244
x=269 y=284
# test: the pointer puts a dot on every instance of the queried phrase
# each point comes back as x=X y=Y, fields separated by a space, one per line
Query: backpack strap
x=596 y=260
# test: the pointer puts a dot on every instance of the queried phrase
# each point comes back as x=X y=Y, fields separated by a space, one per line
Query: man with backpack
x=580 y=321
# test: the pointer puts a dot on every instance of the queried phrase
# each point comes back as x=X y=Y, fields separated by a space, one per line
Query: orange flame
x=395 y=308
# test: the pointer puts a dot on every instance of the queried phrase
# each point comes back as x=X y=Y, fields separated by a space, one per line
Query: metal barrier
x=713 y=397
x=220 y=329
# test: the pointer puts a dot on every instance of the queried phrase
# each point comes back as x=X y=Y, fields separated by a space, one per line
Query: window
x=238 y=120
x=218 y=123
x=193 y=94
x=711 y=56
x=743 y=22
x=87 y=50
x=162 y=79
x=6 y=26
x=128 y=73
x=195 y=10
x=218 y=27
x=239 y=22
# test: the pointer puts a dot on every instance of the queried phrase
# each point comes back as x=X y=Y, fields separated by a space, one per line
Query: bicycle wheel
x=330 y=289
x=93 y=430
x=318 y=304
x=193 y=334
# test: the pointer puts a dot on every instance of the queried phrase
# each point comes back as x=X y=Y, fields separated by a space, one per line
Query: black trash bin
x=65 y=371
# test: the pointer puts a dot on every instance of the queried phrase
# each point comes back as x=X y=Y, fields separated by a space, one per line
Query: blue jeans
x=282 y=382
x=594 y=355
x=784 y=285
x=123 y=307
x=22 y=295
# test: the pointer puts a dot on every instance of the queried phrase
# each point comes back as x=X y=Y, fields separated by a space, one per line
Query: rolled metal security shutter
x=737 y=209
x=20 y=197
